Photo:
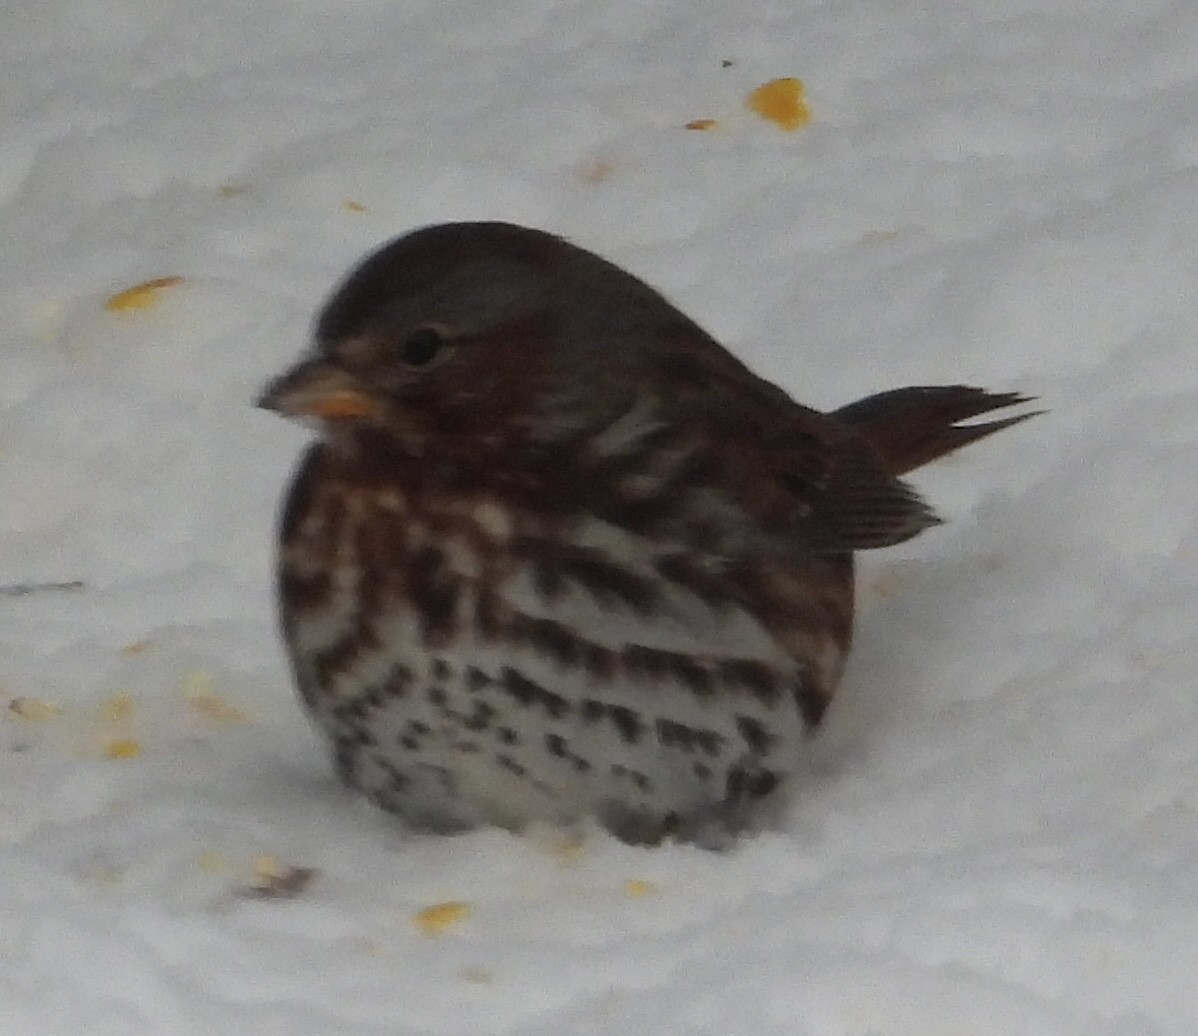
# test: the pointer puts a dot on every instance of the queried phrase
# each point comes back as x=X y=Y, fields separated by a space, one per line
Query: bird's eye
x=422 y=346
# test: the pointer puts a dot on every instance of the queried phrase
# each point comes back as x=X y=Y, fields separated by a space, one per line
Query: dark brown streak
x=548 y=637
x=671 y=734
x=747 y=785
x=811 y=699
x=645 y=663
x=434 y=590
x=625 y=720
x=756 y=677
x=480 y=718
x=510 y=764
x=304 y=592
x=557 y=563
x=529 y=692
x=756 y=736
x=691 y=574
x=328 y=664
x=310 y=481
x=476 y=679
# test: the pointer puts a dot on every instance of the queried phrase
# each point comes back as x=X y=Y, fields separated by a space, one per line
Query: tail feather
x=912 y=426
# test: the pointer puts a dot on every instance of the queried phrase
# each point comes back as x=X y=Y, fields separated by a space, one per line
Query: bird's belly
x=455 y=696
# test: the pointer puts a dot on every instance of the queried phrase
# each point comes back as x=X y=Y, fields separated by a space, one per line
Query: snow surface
x=998 y=829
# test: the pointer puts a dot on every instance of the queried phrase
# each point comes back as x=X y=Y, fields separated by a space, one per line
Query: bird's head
x=469 y=336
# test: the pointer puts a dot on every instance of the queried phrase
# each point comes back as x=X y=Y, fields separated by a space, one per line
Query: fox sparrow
x=557 y=553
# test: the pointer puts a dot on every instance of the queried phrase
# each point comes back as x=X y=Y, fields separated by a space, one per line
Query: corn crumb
x=781 y=101
x=122 y=748
x=212 y=862
x=200 y=693
x=140 y=296
x=439 y=918
x=267 y=866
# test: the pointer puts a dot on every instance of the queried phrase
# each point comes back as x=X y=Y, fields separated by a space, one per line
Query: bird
x=555 y=555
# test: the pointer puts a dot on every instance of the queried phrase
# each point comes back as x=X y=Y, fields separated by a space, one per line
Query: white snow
x=998 y=829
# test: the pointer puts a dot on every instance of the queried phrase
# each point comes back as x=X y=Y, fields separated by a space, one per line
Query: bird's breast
x=503 y=645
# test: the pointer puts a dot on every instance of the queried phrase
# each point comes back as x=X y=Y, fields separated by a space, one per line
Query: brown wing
x=759 y=471
x=854 y=501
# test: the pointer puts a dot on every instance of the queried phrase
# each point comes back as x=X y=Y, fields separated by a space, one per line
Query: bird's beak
x=317 y=389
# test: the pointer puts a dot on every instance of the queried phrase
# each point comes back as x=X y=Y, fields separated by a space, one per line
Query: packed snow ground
x=998 y=830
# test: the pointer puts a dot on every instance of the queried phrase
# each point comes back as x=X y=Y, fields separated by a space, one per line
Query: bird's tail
x=912 y=426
